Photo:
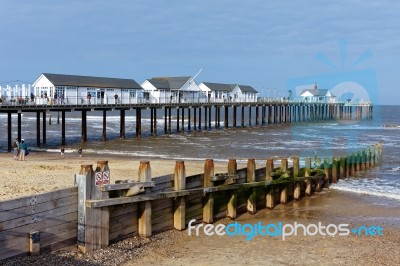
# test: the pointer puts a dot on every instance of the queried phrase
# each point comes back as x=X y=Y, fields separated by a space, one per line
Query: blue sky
x=257 y=43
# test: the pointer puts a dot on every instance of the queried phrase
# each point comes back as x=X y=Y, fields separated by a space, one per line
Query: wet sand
x=327 y=207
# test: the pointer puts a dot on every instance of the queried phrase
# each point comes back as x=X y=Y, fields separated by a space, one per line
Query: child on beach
x=62 y=152
x=16 y=149
x=80 y=152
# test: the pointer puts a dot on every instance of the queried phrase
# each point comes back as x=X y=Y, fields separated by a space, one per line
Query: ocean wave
x=394 y=169
x=395 y=126
x=374 y=188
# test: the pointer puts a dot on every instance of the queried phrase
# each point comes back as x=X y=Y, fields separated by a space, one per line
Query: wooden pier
x=187 y=116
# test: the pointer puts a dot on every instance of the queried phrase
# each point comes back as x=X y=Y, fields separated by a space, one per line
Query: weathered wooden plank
x=163 y=179
x=15 y=251
x=169 y=194
x=131 y=218
x=9 y=243
x=34 y=218
x=194 y=207
x=194 y=184
x=37 y=208
x=58 y=237
x=194 y=178
x=121 y=228
x=36 y=199
x=125 y=232
x=120 y=186
x=139 y=198
x=162 y=212
x=161 y=204
x=90 y=223
x=260 y=174
x=49 y=232
x=196 y=217
x=53 y=231
x=194 y=197
x=220 y=214
x=123 y=209
x=162 y=187
x=168 y=215
x=126 y=218
x=40 y=226
x=66 y=245
x=166 y=225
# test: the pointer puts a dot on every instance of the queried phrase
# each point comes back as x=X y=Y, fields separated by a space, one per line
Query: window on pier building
x=91 y=91
x=132 y=93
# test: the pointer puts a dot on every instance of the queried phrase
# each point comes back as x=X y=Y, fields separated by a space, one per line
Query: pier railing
x=84 y=100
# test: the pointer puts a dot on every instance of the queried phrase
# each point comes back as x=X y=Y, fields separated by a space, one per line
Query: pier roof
x=318 y=92
x=169 y=83
x=88 y=81
x=245 y=88
x=220 y=86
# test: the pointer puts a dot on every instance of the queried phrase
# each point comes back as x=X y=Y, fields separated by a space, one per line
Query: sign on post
x=106 y=177
x=99 y=178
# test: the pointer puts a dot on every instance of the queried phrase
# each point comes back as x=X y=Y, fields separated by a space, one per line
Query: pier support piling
x=63 y=141
x=38 y=129
x=84 y=127
x=9 y=131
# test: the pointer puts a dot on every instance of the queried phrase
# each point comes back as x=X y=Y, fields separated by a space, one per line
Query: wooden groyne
x=96 y=212
x=180 y=117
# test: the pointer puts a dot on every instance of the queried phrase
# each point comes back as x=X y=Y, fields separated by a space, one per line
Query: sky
x=264 y=44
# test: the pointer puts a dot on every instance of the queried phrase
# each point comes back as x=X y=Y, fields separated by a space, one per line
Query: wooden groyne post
x=179 y=202
x=295 y=174
x=232 y=203
x=208 y=209
x=144 y=215
x=270 y=193
x=92 y=222
x=251 y=177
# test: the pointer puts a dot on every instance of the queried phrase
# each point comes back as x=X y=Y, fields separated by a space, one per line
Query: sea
x=323 y=139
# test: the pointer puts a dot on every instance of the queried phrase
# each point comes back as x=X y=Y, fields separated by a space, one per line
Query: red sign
x=106 y=177
x=99 y=178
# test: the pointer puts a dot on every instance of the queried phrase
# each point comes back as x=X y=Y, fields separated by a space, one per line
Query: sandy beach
x=44 y=172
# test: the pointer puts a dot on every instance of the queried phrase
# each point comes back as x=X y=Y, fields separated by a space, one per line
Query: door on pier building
x=100 y=95
x=59 y=95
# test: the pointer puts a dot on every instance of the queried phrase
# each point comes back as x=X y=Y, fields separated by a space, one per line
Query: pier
x=181 y=117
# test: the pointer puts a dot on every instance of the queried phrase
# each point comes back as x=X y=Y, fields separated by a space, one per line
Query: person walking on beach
x=23 y=148
x=80 y=152
x=16 y=148
x=62 y=151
